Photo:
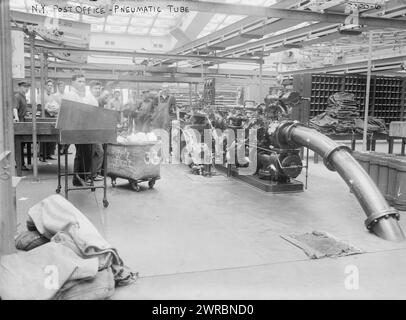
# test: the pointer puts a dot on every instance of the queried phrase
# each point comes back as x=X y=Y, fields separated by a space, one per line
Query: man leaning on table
x=20 y=101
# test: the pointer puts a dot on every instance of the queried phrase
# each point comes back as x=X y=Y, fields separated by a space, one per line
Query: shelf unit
x=387 y=94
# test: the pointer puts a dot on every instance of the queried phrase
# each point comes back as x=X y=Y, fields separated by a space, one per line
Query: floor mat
x=318 y=245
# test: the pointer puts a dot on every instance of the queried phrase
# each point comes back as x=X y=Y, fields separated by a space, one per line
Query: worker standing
x=83 y=157
x=20 y=101
x=51 y=108
x=58 y=96
x=97 y=148
x=165 y=110
x=144 y=112
x=60 y=92
x=20 y=108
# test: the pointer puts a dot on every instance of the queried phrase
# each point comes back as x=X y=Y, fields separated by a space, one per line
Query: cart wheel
x=151 y=183
x=134 y=185
x=105 y=203
x=58 y=190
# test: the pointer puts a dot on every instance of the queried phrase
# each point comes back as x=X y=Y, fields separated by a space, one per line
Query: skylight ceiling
x=141 y=23
x=220 y=21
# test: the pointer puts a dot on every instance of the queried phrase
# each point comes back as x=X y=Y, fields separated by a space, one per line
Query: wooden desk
x=46 y=132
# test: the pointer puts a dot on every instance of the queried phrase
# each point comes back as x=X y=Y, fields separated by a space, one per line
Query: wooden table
x=46 y=132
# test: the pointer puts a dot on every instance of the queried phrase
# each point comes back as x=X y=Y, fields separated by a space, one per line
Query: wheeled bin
x=136 y=162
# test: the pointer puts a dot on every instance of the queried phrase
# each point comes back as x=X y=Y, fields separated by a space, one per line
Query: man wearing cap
x=20 y=101
x=20 y=109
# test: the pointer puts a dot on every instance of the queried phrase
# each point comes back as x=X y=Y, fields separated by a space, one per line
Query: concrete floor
x=200 y=238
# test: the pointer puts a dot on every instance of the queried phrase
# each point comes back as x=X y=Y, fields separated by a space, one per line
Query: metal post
x=8 y=216
x=42 y=77
x=260 y=82
x=138 y=90
x=34 y=107
x=365 y=133
x=190 y=93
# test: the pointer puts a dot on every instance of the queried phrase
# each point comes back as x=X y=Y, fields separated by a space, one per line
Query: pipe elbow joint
x=375 y=217
x=281 y=134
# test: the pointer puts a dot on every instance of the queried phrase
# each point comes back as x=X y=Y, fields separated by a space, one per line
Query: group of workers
x=152 y=112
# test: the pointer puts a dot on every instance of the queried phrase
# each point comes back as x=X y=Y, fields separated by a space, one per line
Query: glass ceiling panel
x=96 y=28
x=137 y=21
x=138 y=30
x=115 y=29
x=118 y=20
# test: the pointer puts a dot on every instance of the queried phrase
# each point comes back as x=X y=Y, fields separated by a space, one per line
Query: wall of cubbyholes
x=387 y=94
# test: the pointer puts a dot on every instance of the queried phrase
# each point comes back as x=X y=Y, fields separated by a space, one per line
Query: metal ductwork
x=381 y=218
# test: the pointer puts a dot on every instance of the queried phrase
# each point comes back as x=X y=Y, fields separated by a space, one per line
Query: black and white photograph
x=215 y=152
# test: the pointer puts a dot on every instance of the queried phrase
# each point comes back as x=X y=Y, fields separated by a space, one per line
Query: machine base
x=265 y=185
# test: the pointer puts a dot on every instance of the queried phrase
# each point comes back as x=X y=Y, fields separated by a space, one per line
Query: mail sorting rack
x=387 y=94
x=389 y=99
x=322 y=88
x=80 y=123
x=357 y=85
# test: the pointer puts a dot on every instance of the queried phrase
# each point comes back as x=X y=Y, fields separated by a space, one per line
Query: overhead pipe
x=381 y=218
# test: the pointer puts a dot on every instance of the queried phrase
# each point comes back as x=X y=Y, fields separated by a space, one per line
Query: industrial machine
x=277 y=149
x=277 y=167
x=381 y=218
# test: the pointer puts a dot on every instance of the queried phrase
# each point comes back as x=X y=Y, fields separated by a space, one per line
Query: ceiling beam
x=148 y=69
x=180 y=35
x=324 y=38
x=388 y=7
x=300 y=15
x=347 y=66
x=127 y=78
x=232 y=28
x=196 y=26
x=278 y=38
x=150 y=55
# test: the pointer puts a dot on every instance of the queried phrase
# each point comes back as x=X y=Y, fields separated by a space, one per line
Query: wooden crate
x=135 y=161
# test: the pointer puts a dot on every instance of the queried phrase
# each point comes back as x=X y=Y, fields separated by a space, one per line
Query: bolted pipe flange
x=327 y=156
x=386 y=214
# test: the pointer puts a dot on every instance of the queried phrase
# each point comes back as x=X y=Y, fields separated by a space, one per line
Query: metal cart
x=138 y=162
x=80 y=123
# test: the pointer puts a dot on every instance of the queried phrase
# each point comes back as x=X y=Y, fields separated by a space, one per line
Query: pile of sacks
x=374 y=125
x=342 y=117
x=65 y=258
x=343 y=106
x=339 y=115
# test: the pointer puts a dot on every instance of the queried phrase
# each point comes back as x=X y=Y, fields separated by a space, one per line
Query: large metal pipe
x=381 y=218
